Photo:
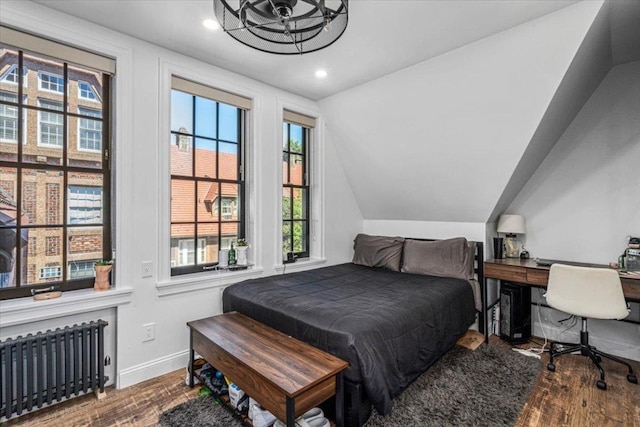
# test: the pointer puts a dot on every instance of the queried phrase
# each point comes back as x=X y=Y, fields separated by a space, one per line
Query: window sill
x=208 y=280
x=305 y=264
x=26 y=310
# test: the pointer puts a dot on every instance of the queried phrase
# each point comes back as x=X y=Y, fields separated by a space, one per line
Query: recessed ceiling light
x=211 y=24
x=321 y=74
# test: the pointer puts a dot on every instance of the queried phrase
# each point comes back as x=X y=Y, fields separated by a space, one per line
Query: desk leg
x=191 y=355
x=340 y=400
x=484 y=327
x=291 y=412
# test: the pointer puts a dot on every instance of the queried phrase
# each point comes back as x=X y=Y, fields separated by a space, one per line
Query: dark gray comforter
x=389 y=326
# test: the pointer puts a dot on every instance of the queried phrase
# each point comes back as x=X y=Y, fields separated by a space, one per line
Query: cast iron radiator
x=51 y=366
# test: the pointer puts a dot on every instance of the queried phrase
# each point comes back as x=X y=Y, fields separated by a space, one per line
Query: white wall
x=426 y=229
x=584 y=199
x=438 y=141
x=142 y=187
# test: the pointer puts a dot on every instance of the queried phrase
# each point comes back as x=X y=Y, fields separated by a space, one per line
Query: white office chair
x=589 y=293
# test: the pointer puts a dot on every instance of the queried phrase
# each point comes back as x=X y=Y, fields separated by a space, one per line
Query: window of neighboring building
x=50 y=272
x=81 y=269
x=50 y=124
x=85 y=205
x=89 y=130
x=51 y=82
x=11 y=75
x=85 y=91
x=56 y=222
x=207 y=183
x=8 y=118
x=296 y=132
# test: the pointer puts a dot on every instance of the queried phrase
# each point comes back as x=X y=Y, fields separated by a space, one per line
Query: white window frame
x=40 y=121
x=48 y=89
x=13 y=71
x=89 y=90
x=50 y=272
x=316 y=187
x=94 y=113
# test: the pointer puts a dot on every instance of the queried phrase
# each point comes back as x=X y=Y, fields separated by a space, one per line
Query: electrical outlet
x=147 y=269
x=149 y=331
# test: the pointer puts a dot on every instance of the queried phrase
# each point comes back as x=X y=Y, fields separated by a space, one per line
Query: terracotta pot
x=102 y=277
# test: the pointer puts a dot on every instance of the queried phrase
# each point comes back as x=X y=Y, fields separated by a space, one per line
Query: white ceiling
x=382 y=36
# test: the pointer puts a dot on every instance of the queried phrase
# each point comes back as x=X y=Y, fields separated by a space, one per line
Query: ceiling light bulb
x=211 y=24
x=321 y=74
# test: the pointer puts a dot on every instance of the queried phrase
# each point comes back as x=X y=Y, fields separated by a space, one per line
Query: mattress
x=389 y=326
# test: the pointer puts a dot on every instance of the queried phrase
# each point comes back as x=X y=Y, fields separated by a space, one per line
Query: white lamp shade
x=511 y=224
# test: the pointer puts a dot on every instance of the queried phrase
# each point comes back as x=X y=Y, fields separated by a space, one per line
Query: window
x=50 y=272
x=81 y=269
x=8 y=118
x=51 y=82
x=207 y=183
x=89 y=130
x=11 y=76
x=50 y=124
x=85 y=205
x=56 y=221
x=85 y=91
x=295 y=185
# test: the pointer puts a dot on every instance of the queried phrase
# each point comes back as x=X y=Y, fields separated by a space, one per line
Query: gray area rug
x=486 y=387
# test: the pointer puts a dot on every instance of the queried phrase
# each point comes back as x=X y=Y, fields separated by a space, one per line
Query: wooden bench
x=288 y=377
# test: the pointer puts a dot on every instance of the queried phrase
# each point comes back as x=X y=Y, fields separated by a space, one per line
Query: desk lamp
x=511 y=225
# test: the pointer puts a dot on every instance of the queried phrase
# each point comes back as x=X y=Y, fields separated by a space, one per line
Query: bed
x=389 y=325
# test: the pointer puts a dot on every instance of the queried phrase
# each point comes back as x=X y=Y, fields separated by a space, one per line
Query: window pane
x=81 y=269
x=44 y=256
x=205 y=117
x=207 y=243
x=285 y=137
x=8 y=120
x=85 y=199
x=47 y=75
x=207 y=194
x=230 y=207
x=296 y=169
x=299 y=236
x=8 y=241
x=85 y=142
x=85 y=88
x=181 y=112
x=285 y=168
x=42 y=193
x=205 y=158
x=84 y=244
x=182 y=201
x=286 y=203
x=181 y=154
x=50 y=124
x=286 y=239
x=299 y=203
x=228 y=161
x=295 y=138
x=228 y=124
x=33 y=150
x=229 y=234
x=9 y=69
x=181 y=235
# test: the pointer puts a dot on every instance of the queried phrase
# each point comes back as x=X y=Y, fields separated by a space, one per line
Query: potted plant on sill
x=241 y=250
x=103 y=268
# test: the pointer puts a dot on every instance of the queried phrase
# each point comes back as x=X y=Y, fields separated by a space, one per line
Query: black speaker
x=515 y=313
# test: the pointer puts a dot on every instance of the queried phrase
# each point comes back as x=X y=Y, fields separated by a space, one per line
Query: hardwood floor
x=567 y=397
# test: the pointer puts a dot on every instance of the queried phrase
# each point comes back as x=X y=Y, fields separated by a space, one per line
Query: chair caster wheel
x=601 y=385
x=632 y=378
x=551 y=367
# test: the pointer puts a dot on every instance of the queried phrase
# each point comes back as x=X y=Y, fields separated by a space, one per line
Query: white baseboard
x=154 y=368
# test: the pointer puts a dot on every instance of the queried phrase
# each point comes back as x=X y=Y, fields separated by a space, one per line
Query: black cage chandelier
x=285 y=27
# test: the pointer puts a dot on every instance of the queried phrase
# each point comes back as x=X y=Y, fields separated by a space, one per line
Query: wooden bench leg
x=291 y=412
x=340 y=400
x=191 y=355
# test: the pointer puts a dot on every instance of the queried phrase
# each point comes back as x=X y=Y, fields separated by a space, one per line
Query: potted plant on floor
x=242 y=249
x=103 y=268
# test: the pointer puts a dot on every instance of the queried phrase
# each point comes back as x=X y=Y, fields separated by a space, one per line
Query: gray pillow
x=378 y=251
x=443 y=258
